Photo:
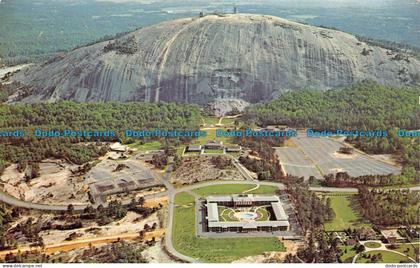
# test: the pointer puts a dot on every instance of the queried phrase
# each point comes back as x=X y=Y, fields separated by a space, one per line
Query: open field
x=387 y=257
x=346 y=215
x=147 y=146
x=211 y=136
x=182 y=199
x=235 y=189
x=348 y=254
x=210 y=120
x=318 y=157
x=408 y=249
x=213 y=249
x=229 y=121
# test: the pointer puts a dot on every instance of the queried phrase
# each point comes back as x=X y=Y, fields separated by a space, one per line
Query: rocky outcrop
x=197 y=60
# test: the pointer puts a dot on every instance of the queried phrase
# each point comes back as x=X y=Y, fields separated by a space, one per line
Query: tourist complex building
x=249 y=213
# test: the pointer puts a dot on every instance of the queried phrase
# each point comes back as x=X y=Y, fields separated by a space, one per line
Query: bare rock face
x=197 y=60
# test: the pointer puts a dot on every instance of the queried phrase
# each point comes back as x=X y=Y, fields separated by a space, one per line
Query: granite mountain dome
x=196 y=60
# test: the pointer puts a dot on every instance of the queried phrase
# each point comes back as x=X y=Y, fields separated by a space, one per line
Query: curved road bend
x=171 y=192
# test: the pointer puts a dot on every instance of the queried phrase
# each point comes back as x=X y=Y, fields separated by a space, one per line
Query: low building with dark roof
x=193 y=148
x=213 y=145
x=233 y=149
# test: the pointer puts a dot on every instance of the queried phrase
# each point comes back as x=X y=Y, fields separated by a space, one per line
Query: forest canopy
x=365 y=105
x=82 y=116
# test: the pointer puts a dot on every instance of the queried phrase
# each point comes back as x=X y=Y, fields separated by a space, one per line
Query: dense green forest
x=312 y=212
x=83 y=116
x=390 y=207
x=363 y=106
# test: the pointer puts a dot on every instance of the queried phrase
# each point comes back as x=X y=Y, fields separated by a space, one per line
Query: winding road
x=170 y=193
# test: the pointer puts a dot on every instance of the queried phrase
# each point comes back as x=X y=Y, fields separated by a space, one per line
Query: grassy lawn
x=234 y=189
x=264 y=213
x=211 y=120
x=229 y=121
x=234 y=155
x=213 y=151
x=387 y=257
x=372 y=245
x=407 y=249
x=183 y=199
x=152 y=145
x=345 y=214
x=211 y=135
x=225 y=214
x=265 y=189
x=348 y=254
x=214 y=250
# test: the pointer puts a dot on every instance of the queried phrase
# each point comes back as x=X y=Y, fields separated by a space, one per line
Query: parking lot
x=319 y=156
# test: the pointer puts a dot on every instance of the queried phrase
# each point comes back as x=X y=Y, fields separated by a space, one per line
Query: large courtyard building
x=246 y=213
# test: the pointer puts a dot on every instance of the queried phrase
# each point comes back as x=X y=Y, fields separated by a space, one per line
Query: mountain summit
x=197 y=60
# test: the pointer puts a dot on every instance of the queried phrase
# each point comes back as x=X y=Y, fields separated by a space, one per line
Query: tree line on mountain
x=364 y=106
x=83 y=116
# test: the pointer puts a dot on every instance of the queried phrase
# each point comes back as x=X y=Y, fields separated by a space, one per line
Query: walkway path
x=382 y=247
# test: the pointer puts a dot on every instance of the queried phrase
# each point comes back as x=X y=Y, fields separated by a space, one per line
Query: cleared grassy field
x=211 y=136
x=182 y=199
x=210 y=120
x=213 y=250
x=387 y=257
x=408 y=249
x=345 y=214
x=234 y=189
x=152 y=145
x=265 y=189
x=348 y=254
x=213 y=151
x=229 y=121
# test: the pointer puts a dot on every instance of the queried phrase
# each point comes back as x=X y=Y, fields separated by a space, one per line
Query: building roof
x=220 y=198
x=212 y=212
x=214 y=143
x=248 y=224
x=194 y=147
x=279 y=211
x=391 y=233
x=268 y=198
x=243 y=198
x=233 y=148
